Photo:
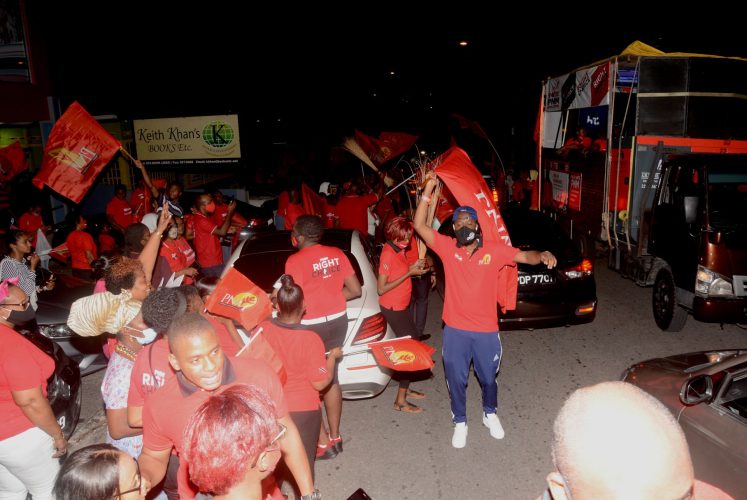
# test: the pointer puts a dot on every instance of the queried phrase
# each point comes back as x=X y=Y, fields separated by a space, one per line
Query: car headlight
x=709 y=283
x=56 y=332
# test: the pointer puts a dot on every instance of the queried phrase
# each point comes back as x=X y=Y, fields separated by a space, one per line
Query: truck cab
x=698 y=240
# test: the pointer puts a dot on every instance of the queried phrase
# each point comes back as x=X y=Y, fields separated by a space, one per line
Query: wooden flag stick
x=429 y=218
x=126 y=154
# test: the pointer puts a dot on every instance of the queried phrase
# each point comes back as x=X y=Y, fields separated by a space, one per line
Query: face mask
x=21 y=317
x=403 y=246
x=173 y=232
x=149 y=335
x=210 y=207
x=466 y=236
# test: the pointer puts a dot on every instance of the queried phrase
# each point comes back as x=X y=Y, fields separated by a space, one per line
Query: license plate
x=535 y=279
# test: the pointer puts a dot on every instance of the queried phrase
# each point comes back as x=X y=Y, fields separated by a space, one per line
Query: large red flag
x=12 y=161
x=403 y=354
x=386 y=146
x=469 y=188
x=236 y=297
x=77 y=150
x=313 y=204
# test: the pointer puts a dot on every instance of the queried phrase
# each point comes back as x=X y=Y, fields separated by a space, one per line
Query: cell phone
x=359 y=494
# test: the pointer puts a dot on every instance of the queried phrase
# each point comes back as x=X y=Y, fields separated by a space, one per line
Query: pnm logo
x=240 y=301
x=485 y=260
x=399 y=357
x=80 y=161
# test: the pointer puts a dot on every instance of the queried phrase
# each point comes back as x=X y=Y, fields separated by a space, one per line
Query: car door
x=717 y=435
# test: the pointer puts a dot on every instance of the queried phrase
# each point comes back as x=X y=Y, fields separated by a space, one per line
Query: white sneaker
x=492 y=422
x=459 y=439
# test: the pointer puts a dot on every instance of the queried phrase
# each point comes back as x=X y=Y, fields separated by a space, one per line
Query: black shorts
x=332 y=334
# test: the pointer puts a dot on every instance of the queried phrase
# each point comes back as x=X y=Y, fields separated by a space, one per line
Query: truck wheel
x=668 y=314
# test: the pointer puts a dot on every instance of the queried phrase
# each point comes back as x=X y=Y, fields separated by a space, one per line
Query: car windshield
x=264 y=268
x=727 y=198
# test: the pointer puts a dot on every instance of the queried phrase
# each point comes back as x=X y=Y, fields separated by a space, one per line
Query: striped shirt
x=10 y=268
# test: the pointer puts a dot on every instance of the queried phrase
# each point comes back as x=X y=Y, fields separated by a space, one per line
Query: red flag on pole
x=78 y=149
x=387 y=146
x=469 y=188
x=403 y=354
x=313 y=204
x=12 y=161
x=236 y=297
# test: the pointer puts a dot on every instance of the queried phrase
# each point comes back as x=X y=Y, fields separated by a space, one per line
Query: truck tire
x=668 y=314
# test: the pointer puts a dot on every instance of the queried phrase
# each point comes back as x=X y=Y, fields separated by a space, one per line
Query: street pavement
x=395 y=455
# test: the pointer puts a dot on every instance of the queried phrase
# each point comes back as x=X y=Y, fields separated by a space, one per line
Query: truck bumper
x=716 y=310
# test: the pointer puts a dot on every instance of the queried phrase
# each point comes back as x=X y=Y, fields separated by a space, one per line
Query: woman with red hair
x=395 y=288
x=232 y=444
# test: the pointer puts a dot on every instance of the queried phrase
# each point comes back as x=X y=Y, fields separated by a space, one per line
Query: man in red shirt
x=470 y=313
x=208 y=233
x=352 y=209
x=328 y=281
x=118 y=210
x=202 y=369
x=82 y=250
x=31 y=221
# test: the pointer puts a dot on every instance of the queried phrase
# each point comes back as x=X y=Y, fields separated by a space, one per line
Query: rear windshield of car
x=265 y=268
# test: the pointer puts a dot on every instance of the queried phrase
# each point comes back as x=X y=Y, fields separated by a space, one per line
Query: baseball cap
x=464 y=209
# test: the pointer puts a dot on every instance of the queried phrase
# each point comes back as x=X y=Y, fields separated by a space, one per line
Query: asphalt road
x=393 y=455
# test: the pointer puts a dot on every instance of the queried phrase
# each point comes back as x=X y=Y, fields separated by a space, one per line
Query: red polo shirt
x=78 y=242
x=472 y=283
x=120 y=211
x=22 y=366
x=225 y=340
x=302 y=353
x=320 y=271
x=166 y=417
x=393 y=264
x=106 y=243
x=150 y=372
x=207 y=245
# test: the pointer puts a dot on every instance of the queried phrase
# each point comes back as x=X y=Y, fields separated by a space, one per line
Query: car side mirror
x=696 y=390
x=691 y=209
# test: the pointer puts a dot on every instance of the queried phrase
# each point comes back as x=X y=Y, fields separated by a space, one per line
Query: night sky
x=318 y=72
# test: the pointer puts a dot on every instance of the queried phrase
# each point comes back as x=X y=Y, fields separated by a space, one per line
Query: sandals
x=412 y=393
x=408 y=408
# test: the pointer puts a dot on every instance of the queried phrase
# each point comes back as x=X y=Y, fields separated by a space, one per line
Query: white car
x=262 y=260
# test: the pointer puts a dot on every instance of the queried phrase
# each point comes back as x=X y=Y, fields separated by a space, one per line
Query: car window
x=266 y=267
x=734 y=397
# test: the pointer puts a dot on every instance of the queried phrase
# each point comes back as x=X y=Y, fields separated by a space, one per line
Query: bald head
x=613 y=440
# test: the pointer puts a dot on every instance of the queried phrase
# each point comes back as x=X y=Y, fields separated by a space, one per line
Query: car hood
x=694 y=361
x=54 y=306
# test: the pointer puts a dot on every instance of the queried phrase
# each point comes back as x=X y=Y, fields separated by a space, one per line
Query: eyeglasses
x=272 y=446
x=139 y=483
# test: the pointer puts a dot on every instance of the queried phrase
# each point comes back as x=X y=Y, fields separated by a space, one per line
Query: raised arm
x=426 y=233
x=150 y=252
x=146 y=179
x=534 y=257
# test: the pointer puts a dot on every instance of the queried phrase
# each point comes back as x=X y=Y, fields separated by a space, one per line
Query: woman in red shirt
x=395 y=289
x=175 y=256
x=31 y=440
x=302 y=352
x=82 y=250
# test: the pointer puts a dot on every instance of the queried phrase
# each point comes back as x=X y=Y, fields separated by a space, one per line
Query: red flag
x=386 y=146
x=469 y=188
x=61 y=253
x=466 y=123
x=403 y=355
x=313 y=204
x=236 y=297
x=78 y=149
x=12 y=161
x=259 y=348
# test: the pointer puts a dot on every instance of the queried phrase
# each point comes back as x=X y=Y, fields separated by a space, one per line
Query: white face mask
x=149 y=335
x=173 y=232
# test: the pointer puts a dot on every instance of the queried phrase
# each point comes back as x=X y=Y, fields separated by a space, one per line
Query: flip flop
x=408 y=408
x=412 y=393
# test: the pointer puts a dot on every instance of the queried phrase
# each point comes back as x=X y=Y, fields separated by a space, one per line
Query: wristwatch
x=315 y=495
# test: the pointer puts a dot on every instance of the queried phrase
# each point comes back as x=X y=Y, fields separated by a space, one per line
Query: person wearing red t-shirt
x=31 y=221
x=352 y=209
x=395 y=290
x=295 y=209
x=82 y=250
x=208 y=233
x=31 y=440
x=107 y=243
x=470 y=314
x=140 y=200
x=302 y=353
x=328 y=281
x=202 y=370
x=175 y=257
x=118 y=210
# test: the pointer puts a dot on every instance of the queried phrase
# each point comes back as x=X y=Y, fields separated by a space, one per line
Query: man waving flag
x=77 y=151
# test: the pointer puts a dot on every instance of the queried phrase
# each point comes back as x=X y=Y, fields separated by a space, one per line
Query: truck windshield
x=727 y=197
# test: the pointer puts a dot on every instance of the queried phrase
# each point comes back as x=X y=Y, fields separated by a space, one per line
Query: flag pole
x=365 y=347
x=126 y=154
